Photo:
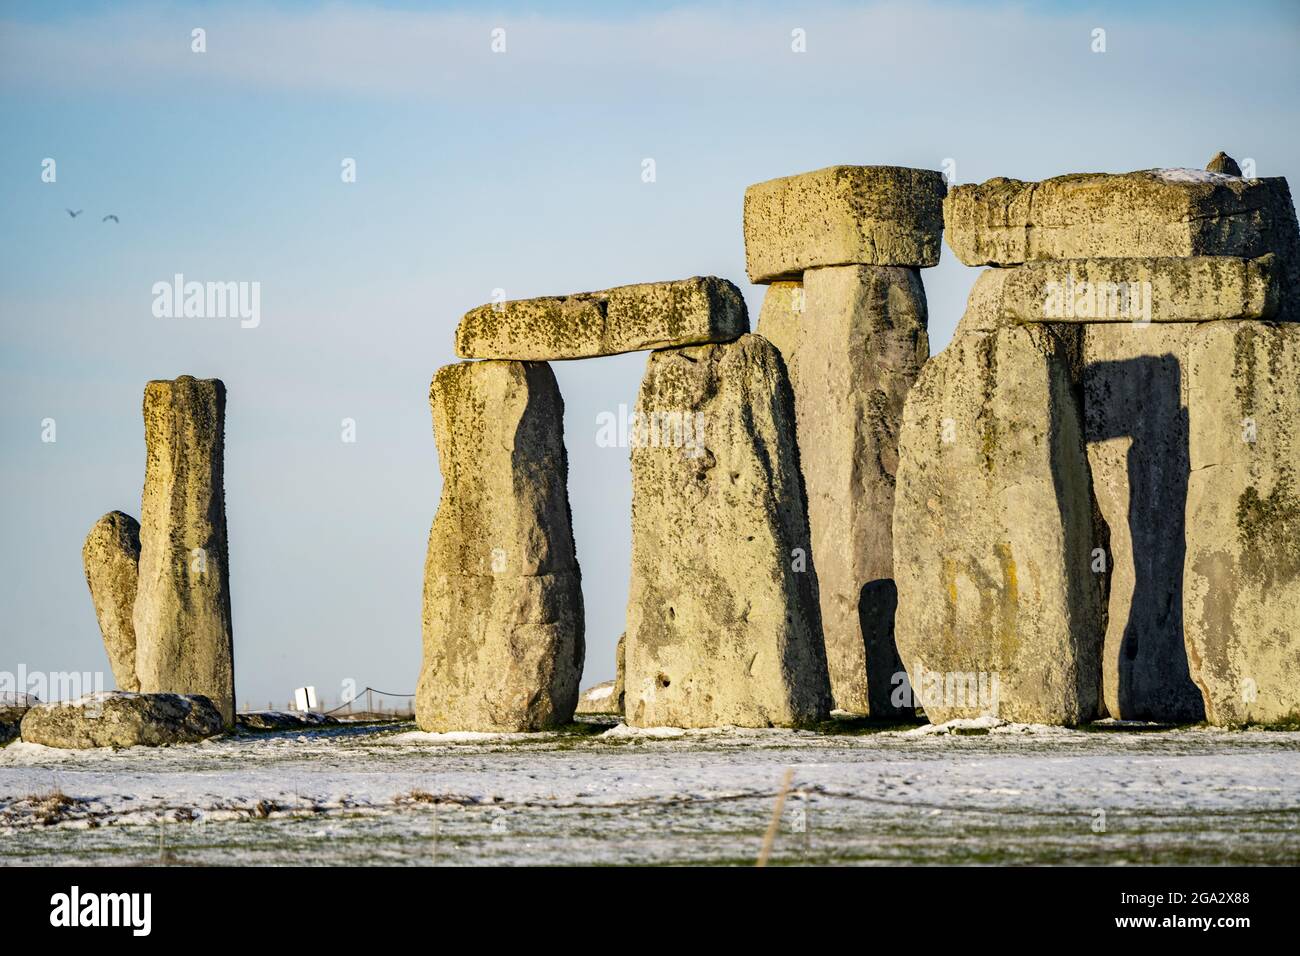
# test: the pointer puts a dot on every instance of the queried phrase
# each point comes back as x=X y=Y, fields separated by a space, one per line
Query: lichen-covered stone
x=998 y=611
x=503 y=615
x=1241 y=578
x=854 y=339
x=111 y=556
x=1132 y=291
x=183 y=636
x=1135 y=422
x=599 y=699
x=1154 y=212
x=843 y=215
x=121 y=719
x=1221 y=162
x=723 y=626
x=628 y=318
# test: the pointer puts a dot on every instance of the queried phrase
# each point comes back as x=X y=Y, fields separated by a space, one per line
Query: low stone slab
x=283 y=720
x=1135 y=382
x=121 y=719
x=111 y=556
x=599 y=699
x=723 y=626
x=1154 y=212
x=630 y=318
x=12 y=708
x=503 y=614
x=1133 y=291
x=843 y=215
x=1241 y=578
x=854 y=340
x=998 y=610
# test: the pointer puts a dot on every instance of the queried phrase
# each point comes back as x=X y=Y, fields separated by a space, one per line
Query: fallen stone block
x=122 y=719
x=854 y=340
x=998 y=610
x=111 y=556
x=630 y=318
x=1241 y=578
x=183 y=635
x=12 y=708
x=843 y=215
x=503 y=614
x=723 y=624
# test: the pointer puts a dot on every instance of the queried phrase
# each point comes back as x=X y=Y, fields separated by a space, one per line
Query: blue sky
x=475 y=171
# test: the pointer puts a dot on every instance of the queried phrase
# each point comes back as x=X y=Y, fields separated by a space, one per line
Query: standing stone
x=1135 y=412
x=1241 y=579
x=998 y=611
x=723 y=623
x=503 y=614
x=620 y=673
x=843 y=215
x=854 y=340
x=184 y=642
x=111 y=556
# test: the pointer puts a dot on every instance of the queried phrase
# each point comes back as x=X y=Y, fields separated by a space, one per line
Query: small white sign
x=305 y=698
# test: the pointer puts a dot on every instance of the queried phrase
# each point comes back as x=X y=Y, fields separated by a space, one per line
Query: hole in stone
x=663 y=680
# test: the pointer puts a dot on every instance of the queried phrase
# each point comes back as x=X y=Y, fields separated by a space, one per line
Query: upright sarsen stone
x=503 y=614
x=1135 y=382
x=998 y=610
x=854 y=340
x=1241 y=579
x=723 y=625
x=111 y=556
x=184 y=642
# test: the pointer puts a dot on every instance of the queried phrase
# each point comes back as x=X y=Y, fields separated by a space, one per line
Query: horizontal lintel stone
x=630 y=318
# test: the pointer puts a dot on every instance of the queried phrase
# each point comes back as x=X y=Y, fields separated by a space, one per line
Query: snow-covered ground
x=361 y=795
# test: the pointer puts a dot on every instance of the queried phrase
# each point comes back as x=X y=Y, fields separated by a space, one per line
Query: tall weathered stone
x=184 y=642
x=854 y=340
x=629 y=318
x=1135 y=414
x=503 y=615
x=843 y=215
x=111 y=556
x=1241 y=579
x=998 y=610
x=723 y=624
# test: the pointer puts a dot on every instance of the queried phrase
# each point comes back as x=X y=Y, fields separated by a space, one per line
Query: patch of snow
x=986 y=722
x=620 y=731
x=600 y=692
x=11 y=699
x=1183 y=175
x=460 y=737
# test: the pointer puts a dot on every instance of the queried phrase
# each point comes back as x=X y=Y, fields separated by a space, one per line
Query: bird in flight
x=74 y=215
x=112 y=217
